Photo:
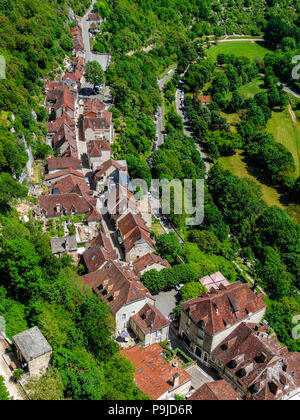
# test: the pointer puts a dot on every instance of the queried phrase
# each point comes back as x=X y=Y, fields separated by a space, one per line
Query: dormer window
x=73 y=211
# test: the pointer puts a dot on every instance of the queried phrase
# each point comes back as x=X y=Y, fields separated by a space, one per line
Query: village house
x=64 y=139
x=135 y=237
x=120 y=201
x=154 y=376
x=72 y=184
x=98 y=151
x=61 y=164
x=65 y=245
x=149 y=262
x=121 y=289
x=214 y=281
x=53 y=206
x=257 y=365
x=98 y=253
x=98 y=128
x=54 y=126
x=150 y=325
x=93 y=108
x=94 y=17
x=59 y=101
x=207 y=320
x=33 y=351
x=215 y=391
x=205 y=100
x=78 y=45
x=52 y=178
x=110 y=169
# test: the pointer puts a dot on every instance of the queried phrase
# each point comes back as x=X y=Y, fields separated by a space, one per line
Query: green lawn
x=251 y=89
x=238 y=167
x=253 y=50
x=287 y=133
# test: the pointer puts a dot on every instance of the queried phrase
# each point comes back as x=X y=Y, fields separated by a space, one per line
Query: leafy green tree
x=192 y=290
x=206 y=241
x=168 y=246
x=4 y=395
x=94 y=73
x=48 y=387
x=272 y=272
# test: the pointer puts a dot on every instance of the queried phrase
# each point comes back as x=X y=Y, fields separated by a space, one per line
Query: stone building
x=207 y=320
x=150 y=325
x=257 y=365
x=65 y=245
x=118 y=286
x=154 y=376
x=33 y=351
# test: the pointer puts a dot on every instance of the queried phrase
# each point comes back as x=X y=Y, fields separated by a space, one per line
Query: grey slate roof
x=59 y=245
x=32 y=344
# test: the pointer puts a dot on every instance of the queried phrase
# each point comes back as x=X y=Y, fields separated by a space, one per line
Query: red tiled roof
x=154 y=376
x=68 y=185
x=54 y=126
x=95 y=256
x=95 y=147
x=94 y=106
x=224 y=307
x=107 y=165
x=205 y=99
x=65 y=172
x=116 y=285
x=149 y=319
x=147 y=261
x=61 y=98
x=76 y=76
x=66 y=201
x=215 y=391
x=98 y=123
x=260 y=362
x=132 y=228
x=64 y=163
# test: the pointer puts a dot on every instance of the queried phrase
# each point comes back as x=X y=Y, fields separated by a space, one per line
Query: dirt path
x=11 y=386
x=292 y=113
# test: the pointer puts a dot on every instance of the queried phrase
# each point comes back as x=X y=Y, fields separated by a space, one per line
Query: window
x=124 y=317
x=158 y=333
x=132 y=313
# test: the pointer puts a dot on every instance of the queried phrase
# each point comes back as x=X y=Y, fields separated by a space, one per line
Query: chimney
x=176 y=380
x=263 y=357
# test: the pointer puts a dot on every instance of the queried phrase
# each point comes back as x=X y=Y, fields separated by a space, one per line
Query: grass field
x=251 y=89
x=253 y=50
x=237 y=165
x=287 y=133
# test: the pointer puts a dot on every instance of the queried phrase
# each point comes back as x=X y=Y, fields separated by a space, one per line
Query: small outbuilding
x=33 y=351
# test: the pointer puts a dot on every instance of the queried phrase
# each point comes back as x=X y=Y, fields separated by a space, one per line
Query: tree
x=48 y=387
x=168 y=246
x=94 y=73
x=206 y=241
x=272 y=272
x=192 y=290
x=4 y=395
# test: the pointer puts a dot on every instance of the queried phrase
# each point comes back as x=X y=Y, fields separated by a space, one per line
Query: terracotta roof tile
x=149 y=319
x=147 y=261
x=64 y=163
x=124 y=286
x=154 y=376
x=215 y=391
x=224 y=307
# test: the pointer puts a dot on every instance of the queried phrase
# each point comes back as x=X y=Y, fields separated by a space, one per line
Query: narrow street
x=186 y=128
x=160 y=114
x=103 y=59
